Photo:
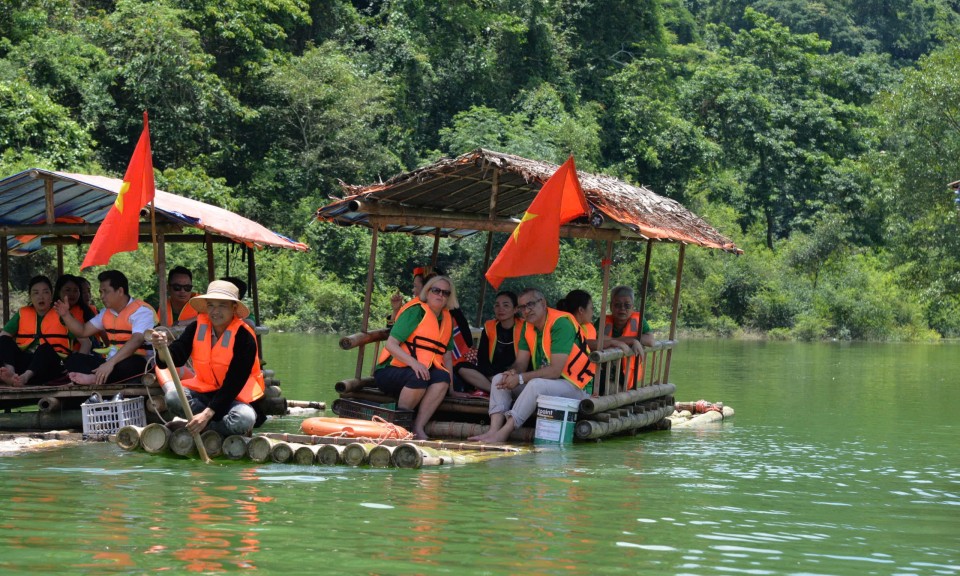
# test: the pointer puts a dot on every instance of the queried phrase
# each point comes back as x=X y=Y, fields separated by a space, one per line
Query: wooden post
x=59 y=260
x=162 y=282
x=607 y=262
x=5 y=277
x=646 y=281
x=495 y=191
x=371 y=268
x=252 y=284
x=211 y=271
x=676 y=311
x=436 y=250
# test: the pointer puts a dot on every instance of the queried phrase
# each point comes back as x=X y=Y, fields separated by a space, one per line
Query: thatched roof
x=485 y=191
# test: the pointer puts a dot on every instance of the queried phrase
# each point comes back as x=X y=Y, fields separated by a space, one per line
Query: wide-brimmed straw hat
x=220 y=290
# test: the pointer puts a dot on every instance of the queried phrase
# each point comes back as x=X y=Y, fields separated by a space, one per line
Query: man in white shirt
x=124 y=319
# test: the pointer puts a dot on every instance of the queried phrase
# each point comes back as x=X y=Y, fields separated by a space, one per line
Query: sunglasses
x=440 y=292
x=529 y=306
x=181 y=287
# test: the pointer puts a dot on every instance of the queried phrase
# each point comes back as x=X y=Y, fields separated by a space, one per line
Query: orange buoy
x=354 y=428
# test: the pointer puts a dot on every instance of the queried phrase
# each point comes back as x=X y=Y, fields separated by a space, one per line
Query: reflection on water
x=838 y=462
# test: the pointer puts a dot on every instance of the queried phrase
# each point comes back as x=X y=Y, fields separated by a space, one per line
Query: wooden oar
x=168 y=360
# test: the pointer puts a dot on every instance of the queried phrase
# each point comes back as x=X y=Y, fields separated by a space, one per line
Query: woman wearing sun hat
x=226 y=361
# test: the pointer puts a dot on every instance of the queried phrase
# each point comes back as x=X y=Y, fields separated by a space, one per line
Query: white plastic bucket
x=556 y=419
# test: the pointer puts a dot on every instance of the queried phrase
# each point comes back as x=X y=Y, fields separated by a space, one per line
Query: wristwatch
x=520 y=378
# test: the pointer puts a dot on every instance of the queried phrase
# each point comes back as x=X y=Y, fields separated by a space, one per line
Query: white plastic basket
x=101 y=419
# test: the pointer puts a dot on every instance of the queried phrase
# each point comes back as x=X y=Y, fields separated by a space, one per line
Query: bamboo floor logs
x=235 y=447
x=213 y=442
x=603 y=403
x=128 y=437
x=626 y=421
x=155 y=438
x=305 y=455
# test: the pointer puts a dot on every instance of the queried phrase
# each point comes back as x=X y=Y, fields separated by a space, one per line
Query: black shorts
x=392 y=379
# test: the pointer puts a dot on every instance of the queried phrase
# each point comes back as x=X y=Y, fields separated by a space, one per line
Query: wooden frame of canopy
x=483 y=191
x=67 y=198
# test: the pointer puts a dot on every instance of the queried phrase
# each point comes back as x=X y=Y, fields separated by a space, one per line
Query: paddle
x=164 y=352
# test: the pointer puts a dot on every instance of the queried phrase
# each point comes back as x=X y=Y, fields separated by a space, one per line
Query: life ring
x=353 y=428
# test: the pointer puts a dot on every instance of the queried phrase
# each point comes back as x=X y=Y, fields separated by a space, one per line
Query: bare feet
x=420 y=435
x=8 y=376
x=81 y=378
x=22 y=379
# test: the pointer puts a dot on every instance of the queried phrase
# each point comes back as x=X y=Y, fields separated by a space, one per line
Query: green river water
x=842 y=459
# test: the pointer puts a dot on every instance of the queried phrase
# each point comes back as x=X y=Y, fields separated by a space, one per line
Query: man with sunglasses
x=624 y=325
x=553 y=345
x=179 y=292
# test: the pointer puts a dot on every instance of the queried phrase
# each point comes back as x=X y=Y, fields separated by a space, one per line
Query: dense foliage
x=819 y=135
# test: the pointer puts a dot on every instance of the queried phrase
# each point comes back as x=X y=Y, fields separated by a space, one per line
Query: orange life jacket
x=428 y=342
x=188 y=312
x=490 y=328
x=212 y=360
x=52 y=330
x=579 y=370
x=631 y=366
x=118 y=327
x=589 y=331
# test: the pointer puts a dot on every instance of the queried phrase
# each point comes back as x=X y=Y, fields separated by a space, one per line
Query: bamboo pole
x=353 y=384
x=213 y=442
x=260 y=448
x=438 y=444
x=599 y=404
x=315 y=404
x=211 y=271
x=330 y=454
x=407 y=455
x=361 y=338
x=306 y=455
x=356 y=453
x=282 y=452
x=645 y=283
x=128 y=437
x=5 y=277
x=161 y=281
x=182 y=442
x=605 y=264
x=49 y=404
x=591 y=429
x=381 y=456
x=185 y=404
x=371 y=268
x=155 y=438
x=675 y=313
x=235 y=446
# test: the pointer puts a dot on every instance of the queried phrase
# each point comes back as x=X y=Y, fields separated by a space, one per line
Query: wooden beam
x=505 y=226
x=75 y=229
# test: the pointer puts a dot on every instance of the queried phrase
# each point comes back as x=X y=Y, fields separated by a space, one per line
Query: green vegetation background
x=819 y=135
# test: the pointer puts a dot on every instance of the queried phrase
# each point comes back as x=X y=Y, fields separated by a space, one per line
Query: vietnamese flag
x=120 y=230
x=534 y=246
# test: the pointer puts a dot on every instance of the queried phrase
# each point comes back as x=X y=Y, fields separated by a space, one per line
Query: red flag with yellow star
x=120 y=230
x=534 y=246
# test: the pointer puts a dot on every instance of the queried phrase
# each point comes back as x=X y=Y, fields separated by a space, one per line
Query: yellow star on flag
x=527 y=216
x=123 y=190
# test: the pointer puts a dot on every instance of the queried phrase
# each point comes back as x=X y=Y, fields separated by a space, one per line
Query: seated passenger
x=462 y=332
x=124 y=319
x=68 y=290
x=34 y=340
x=179 y=292
x=561 y=367
x=624 y=326
x=224 y=352
x=416 y=361
x=498 y=345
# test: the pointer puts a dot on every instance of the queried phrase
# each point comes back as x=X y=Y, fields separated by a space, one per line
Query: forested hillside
x=819 y=135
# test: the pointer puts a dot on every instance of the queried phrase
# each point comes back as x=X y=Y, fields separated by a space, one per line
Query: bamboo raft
x=303 y=449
